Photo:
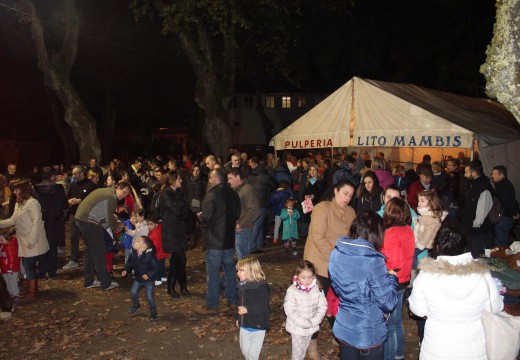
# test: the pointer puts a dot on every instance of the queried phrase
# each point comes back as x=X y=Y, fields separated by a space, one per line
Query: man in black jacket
x=505 y=192
x=220 y=212
x=475 y=223
x=53 y=202
x=79 y=189
x=264 y=186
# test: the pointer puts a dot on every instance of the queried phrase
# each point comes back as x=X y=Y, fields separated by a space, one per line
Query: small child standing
x=126 y=241
x=290 y=217
x=305 y=306
x=144 y=263
x=429 y=220
x=155 y=234
x=253 y=307
x=141 y=227
x=110 y=248
x=10 y=263
x=278 y=199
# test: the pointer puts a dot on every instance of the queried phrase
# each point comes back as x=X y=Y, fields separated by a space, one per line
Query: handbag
x=502 y=334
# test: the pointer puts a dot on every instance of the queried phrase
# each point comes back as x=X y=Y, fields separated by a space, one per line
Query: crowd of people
x=370 y=233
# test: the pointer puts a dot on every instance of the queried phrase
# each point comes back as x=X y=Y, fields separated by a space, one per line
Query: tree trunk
x=56 y=70
x=502 y=67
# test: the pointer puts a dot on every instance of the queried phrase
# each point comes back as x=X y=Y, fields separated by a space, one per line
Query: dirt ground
x=71 y=322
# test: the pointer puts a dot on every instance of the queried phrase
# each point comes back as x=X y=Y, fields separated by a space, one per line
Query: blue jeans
x=347 y=352
x=29 y=264
x=502 y=229
x=244 y=243
x=394 y=345
x=258 y=230
x=150 y=296
x=215 y=259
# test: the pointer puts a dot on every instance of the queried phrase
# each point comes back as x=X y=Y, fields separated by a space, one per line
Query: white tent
x=404 y=120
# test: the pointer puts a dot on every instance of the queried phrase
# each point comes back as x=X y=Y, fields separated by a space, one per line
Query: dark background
x=436 y=44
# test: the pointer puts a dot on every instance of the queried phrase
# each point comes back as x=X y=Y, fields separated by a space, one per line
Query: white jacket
x=305 y=310
x=452 y=292
x=27 y=220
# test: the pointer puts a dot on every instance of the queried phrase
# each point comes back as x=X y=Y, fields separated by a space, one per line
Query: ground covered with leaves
x=71 y=322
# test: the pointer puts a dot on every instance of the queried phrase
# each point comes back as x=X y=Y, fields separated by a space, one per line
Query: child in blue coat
x=145 y=265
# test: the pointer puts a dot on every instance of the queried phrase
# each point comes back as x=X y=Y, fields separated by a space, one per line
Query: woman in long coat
x=176 y=219
x=30 y=233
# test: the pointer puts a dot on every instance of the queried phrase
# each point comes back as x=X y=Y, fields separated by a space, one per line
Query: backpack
x=496 y=212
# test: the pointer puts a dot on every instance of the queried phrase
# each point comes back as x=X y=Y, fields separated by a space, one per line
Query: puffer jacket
x=453 y=291
x=305 y=310
x=9 y=260
x=366 y=294
x=146 y=263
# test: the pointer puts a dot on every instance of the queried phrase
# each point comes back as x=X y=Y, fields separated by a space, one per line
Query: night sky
x=437 y=44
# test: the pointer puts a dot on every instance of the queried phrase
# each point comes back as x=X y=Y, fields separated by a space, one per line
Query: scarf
x=302 y=287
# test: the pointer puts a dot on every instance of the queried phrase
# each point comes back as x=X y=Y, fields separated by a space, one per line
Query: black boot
x=184 y=285
x=172 y=279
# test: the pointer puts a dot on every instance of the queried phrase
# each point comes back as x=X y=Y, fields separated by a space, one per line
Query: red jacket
x=332 y=303
x=411 y=197
x=156 y=236
x=9 y=260
x=399 y=248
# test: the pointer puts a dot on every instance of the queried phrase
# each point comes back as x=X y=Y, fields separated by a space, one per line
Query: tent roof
x=392 y=114
x=487 y=119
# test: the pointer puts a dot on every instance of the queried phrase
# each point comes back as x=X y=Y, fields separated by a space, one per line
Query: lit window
x=248 y=102
x=302 y=101
x=269 y=102
x=233 y=103
x=286 y=102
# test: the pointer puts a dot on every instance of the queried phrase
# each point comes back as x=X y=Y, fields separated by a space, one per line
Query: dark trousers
x=347 y=352
x=75 y=234
x=94 y=254
x=178 y=264
x=478 y=242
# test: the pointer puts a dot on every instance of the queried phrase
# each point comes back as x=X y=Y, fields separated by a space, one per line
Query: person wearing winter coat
x=367 y=294
x=452 y=291
x=30 y=233
x=305 y=306
x=143 y=262
x=10 y=263
x=253 y=307
x=175 y=215
x=53 y=202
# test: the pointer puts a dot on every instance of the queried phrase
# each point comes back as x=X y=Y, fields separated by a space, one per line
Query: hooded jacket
x=146 y=263
x=366 y=291
x=453 y=291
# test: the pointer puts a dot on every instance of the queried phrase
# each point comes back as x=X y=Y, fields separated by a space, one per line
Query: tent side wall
x=504 y=154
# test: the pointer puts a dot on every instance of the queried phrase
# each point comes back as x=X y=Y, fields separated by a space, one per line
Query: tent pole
x=473 y=148
x=352 y=114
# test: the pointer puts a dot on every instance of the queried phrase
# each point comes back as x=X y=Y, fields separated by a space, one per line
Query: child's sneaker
x=275 y=241
x=133 y=309
x=153 y=317
x=158 y=282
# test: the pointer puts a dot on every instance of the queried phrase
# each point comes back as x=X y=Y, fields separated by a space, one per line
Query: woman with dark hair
x=195 y=192
x=399 y=248
x=452 y=290
x=369 y=292
x=30 y=233
x=314 y=189
x=175 y=215
x=369 y=193
x=330 y=219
